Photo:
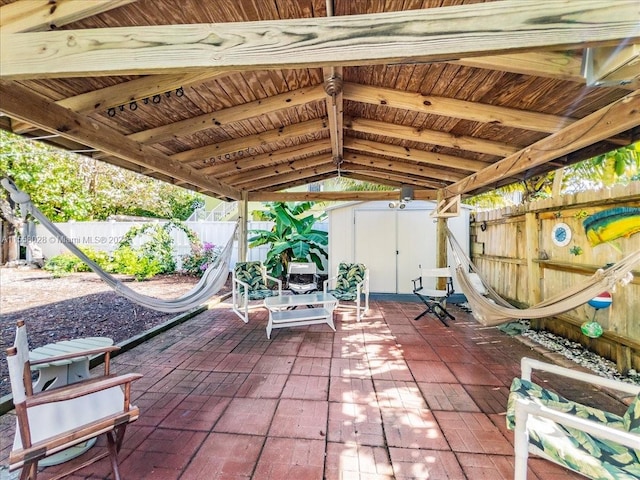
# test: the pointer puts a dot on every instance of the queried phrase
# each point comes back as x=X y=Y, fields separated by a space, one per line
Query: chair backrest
x=349 y=276
x=19 y=369
x=430 y=277
x=302 y=268
x=251 y=273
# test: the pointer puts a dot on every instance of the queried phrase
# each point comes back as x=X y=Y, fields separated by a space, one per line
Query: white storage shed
x=395 y=244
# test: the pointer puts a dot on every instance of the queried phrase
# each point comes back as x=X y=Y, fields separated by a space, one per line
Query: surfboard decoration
x=600 y=301
x=610 y=224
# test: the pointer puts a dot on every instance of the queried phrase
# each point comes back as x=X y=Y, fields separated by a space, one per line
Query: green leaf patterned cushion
x=349 y=275
x=595 y=458
x=251 y=273
x=632 y=416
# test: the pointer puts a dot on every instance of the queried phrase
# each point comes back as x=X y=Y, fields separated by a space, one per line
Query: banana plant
x=292 y=236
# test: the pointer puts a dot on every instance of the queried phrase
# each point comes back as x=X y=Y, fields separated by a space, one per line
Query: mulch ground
x=77 y=305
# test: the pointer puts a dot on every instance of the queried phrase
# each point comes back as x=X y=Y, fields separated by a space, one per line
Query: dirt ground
x=77 y=305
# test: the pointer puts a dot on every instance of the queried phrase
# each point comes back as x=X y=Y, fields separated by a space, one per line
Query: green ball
x=591 y=329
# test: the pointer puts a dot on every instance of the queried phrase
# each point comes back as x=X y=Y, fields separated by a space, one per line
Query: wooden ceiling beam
x=409 y=168
x=559 y=65
x=19 y=102
x=245 y=146
x=451 y=107
x=431 y=34
x=432 y=137
x=323 y=196
x=281 y=169
x=257 y=161
x=609 y=121
x=40 y=15
x=236 y=113
x=303 y=175
x=388 y=177
x=414 y=155
x=300 y=182
x=127 y=92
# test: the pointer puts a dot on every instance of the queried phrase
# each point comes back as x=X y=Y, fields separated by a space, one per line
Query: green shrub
x=128 y=261
x=68 y=262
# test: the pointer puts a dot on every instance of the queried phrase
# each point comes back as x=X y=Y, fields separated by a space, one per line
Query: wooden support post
x=243 y=213
x=441 y=241
x=623 y=358
x=534 y=272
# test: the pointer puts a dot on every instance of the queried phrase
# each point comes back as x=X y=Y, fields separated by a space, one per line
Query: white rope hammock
x=211 y=282
x=491 y=309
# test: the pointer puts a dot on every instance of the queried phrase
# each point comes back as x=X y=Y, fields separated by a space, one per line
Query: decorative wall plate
x=561 y=234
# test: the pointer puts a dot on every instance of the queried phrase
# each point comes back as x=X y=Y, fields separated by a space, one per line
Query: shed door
x=375 y=246
x=416 y=246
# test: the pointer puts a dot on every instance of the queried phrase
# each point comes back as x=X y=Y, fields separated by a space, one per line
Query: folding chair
x=351 y=284
x=54 y=420
x=249 y=281
x=302 y=277
x=434 y=298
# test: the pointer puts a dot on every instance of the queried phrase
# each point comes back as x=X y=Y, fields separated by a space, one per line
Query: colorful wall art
x=610 y=224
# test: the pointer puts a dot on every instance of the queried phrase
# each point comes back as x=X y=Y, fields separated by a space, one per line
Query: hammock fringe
x=213 y=279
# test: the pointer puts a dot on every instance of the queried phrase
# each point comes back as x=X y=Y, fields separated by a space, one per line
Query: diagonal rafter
x=607 y=122
x=19 y=102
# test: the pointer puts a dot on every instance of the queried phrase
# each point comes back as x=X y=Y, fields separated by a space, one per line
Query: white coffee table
x=321 y=310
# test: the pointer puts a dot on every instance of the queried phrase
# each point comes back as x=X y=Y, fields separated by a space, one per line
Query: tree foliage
x=67 y=186
x=619 y=166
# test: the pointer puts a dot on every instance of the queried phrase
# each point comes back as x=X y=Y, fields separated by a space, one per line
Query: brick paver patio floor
x=386 y=398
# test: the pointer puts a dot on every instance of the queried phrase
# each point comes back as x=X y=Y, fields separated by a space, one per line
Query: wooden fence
x=531 y=252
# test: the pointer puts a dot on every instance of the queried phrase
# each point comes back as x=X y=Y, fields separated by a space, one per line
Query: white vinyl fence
x=107 y=235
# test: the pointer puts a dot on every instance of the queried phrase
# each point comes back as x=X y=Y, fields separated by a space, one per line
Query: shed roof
x=245 y=99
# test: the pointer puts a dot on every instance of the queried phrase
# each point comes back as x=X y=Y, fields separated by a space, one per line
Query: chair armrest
x=277 y=281
x=83 y=353
x=528 y=364
x=325 y=284
x=241 y=285
x=80 y=389
x=417 y=283
x=525 y=407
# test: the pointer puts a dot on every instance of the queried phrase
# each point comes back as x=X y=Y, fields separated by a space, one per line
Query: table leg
x=50 y=377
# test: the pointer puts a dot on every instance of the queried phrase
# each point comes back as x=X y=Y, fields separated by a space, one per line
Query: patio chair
x=433 y=298
x=592 y=442
x=351 y=284
x=54 y=420
x=302 y=277
x=250 y=282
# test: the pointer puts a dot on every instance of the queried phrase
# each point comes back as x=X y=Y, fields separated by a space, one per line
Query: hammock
x=491 y=309
x=213 y=279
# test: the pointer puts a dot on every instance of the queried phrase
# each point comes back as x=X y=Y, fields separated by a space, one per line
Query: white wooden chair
x=592 y=442
x=54 y=420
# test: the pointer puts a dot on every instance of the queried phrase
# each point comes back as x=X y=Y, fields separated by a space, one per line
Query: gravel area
x=77 y=305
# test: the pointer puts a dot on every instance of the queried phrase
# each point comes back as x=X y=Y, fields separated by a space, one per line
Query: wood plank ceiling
x=244 y=99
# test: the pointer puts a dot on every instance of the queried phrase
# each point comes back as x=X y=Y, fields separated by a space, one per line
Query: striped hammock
x=490 y=309
x=213 y=279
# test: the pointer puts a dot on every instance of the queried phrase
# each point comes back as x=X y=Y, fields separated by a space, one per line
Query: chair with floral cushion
x=251 y=282
x=587 y=440
x=350 y=284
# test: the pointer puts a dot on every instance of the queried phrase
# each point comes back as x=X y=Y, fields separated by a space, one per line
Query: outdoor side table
x=64 y=372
